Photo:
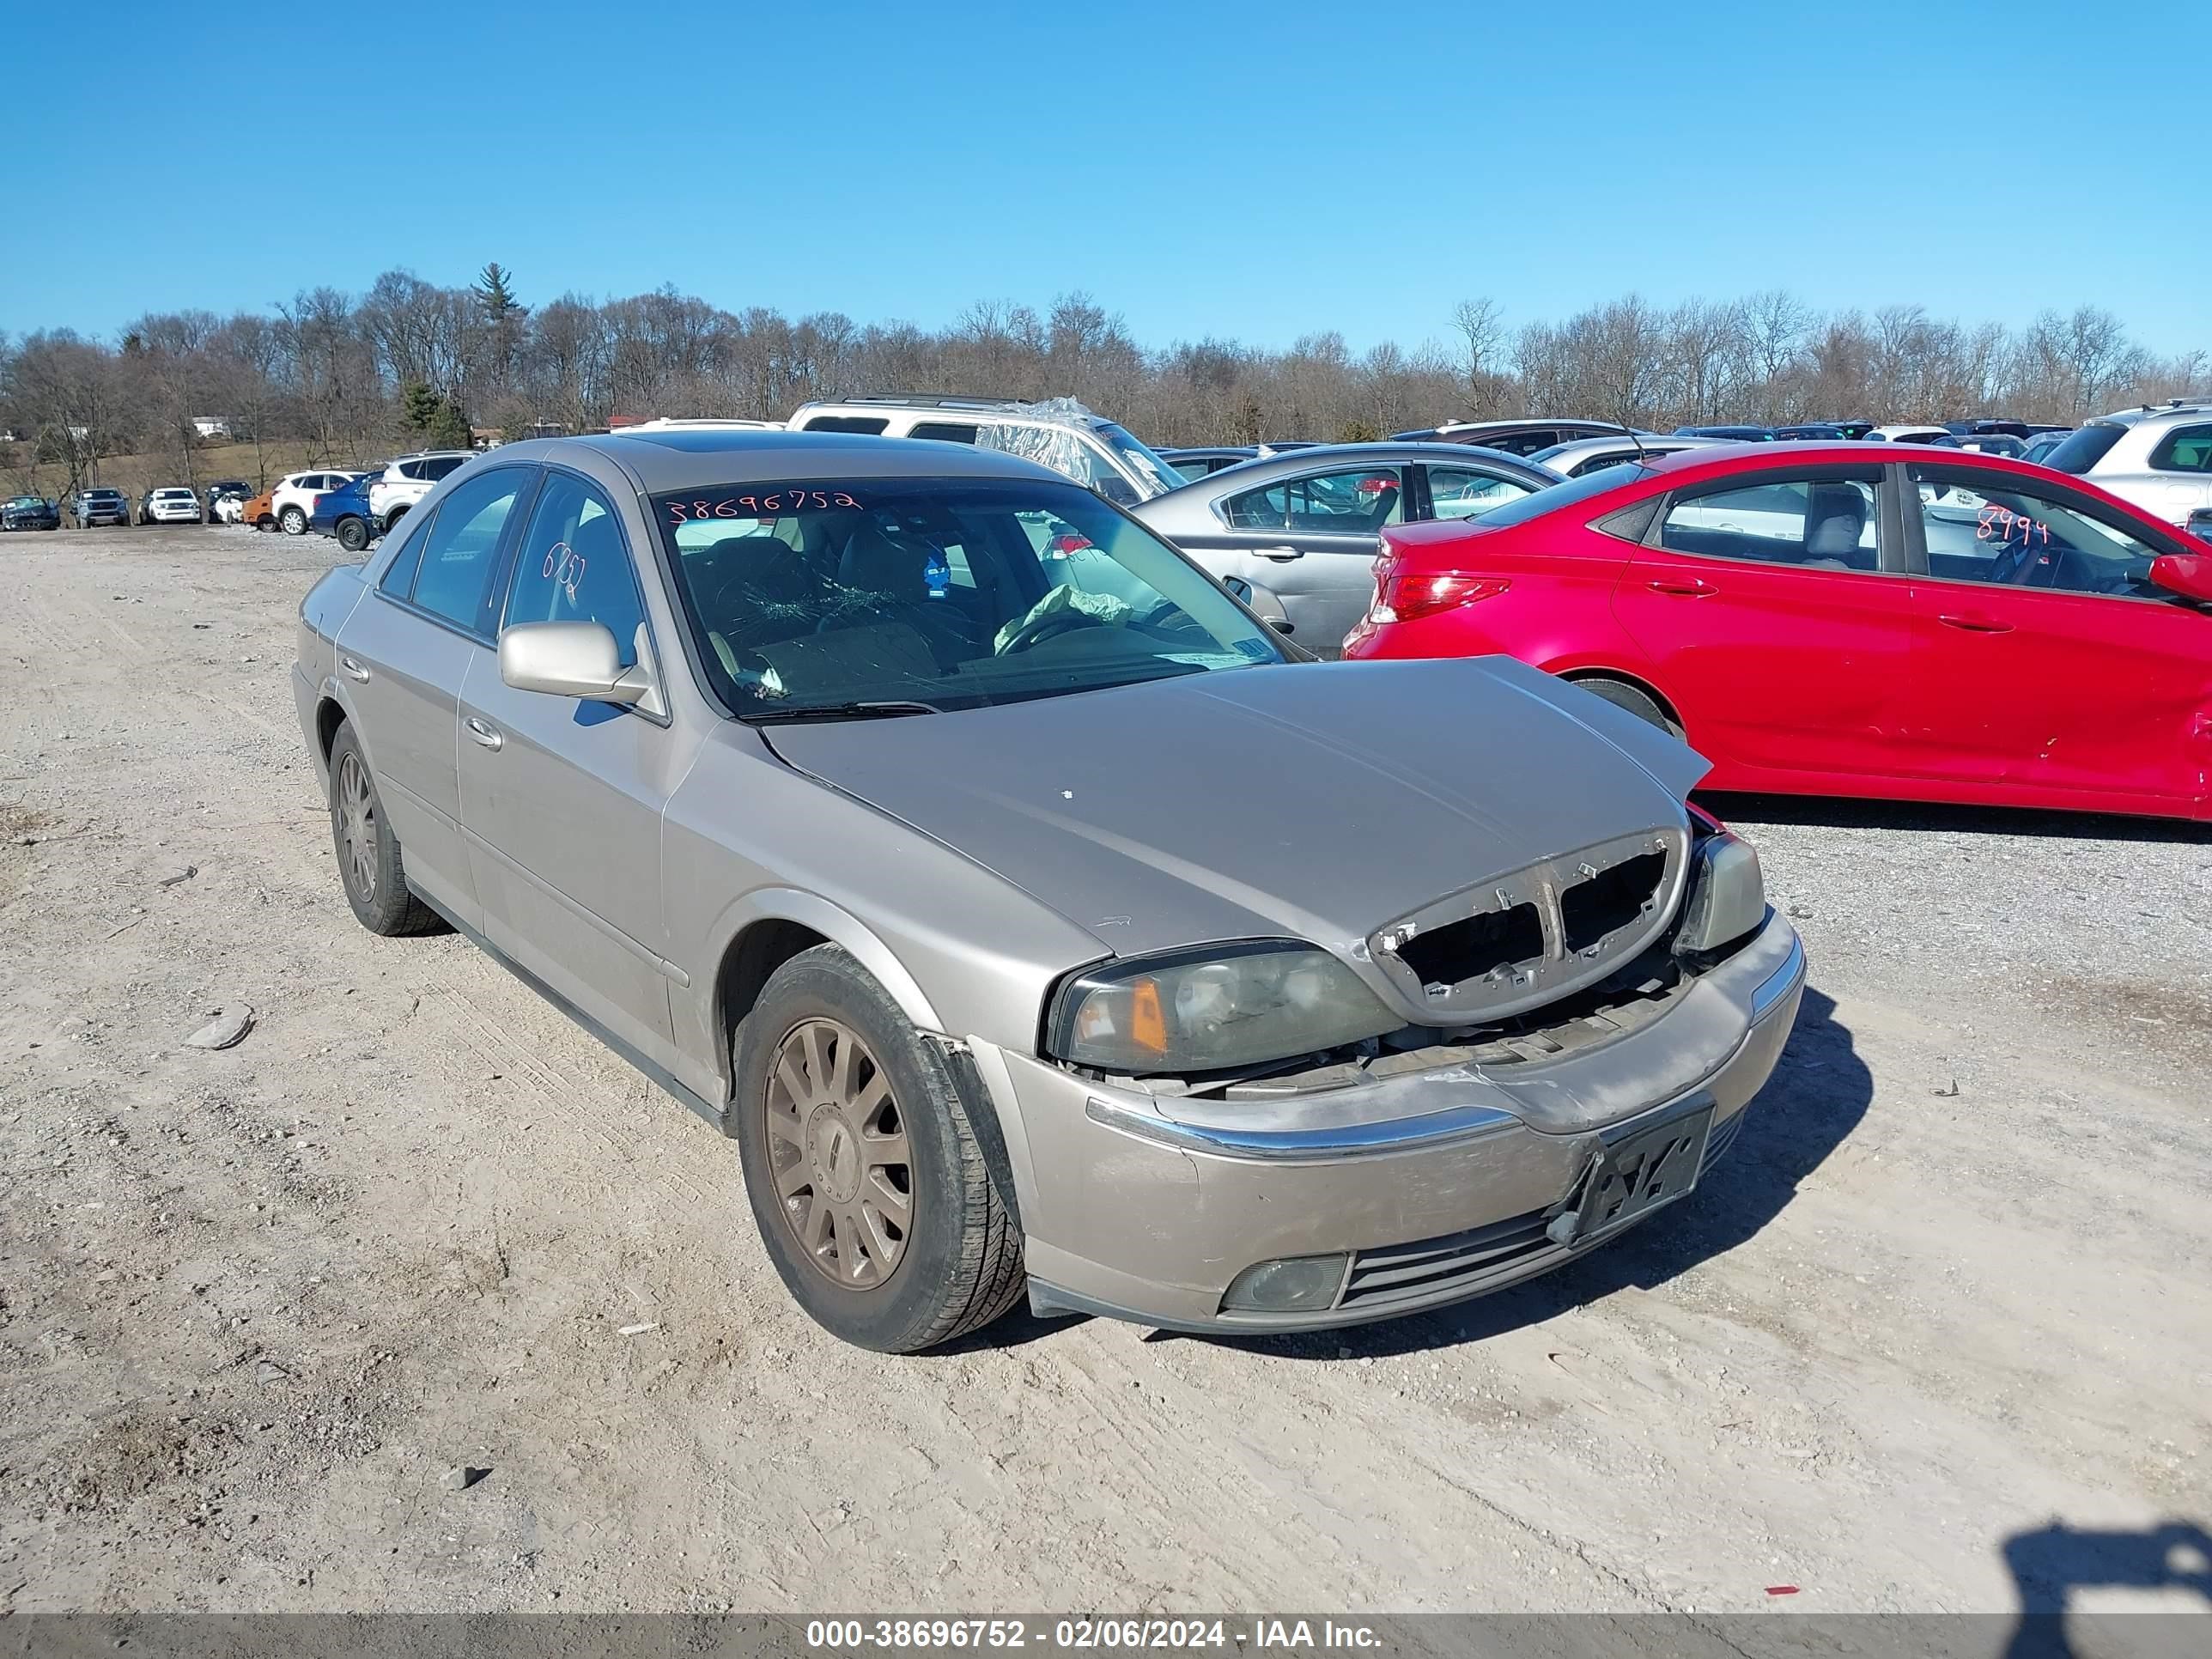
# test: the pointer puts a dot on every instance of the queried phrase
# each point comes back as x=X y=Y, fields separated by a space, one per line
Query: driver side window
x=1981 y=527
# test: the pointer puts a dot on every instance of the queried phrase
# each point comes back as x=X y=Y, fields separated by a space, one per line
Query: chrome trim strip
x=1430 y=1130
x=1779 y=983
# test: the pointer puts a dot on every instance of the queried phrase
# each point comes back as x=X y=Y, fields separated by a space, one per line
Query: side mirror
x=2189 y=575
x=1262 y=603
x=569 y=660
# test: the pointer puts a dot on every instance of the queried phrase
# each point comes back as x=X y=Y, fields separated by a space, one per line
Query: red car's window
x=1824 y=523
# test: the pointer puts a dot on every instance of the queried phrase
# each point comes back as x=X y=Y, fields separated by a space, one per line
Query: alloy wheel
x=837 y=1145
x=357 y=827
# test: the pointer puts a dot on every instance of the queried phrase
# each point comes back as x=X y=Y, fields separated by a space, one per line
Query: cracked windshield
x=945 y=593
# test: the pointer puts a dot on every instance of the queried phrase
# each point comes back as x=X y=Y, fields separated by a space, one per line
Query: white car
x=1914 y=434
x=174 y=506
x=293 y=501
x=229 y=509
x=408 y=480
x=2159 y=459
x=1059 y=433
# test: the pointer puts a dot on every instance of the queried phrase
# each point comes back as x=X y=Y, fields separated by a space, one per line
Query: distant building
x=616 y=422
x=545 y=429
x=211 y=425
x=485 y=437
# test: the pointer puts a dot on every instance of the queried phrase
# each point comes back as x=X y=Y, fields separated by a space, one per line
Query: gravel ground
x=1937 y=1335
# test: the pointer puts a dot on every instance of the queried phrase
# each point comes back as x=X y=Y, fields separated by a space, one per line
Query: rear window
x=1565 y=494
x=2083 y=448
x=871 y=425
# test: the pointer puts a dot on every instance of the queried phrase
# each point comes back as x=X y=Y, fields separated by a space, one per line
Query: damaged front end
x=1562 y=957
x=1441 y=1158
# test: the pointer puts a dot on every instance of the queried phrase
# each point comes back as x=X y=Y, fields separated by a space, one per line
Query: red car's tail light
x=1403 y=596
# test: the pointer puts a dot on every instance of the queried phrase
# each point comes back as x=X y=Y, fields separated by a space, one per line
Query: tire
x=1636 y=701
x=956 y=1264
x=374 y=875
x=353 y=535
x=292 y=521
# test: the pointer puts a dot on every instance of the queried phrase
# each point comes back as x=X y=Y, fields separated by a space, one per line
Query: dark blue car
x=344 y=513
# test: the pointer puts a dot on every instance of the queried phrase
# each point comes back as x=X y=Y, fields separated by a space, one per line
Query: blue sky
x=1252 y=172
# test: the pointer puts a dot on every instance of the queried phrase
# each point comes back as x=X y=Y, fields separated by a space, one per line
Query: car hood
x=1318 y=801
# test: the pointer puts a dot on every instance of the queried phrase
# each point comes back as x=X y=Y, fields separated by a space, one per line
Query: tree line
x=409 y=362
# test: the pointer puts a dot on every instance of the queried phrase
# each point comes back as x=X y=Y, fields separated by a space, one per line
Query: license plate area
x=1643 y=1169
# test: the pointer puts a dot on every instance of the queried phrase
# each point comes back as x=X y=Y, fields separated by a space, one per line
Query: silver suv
x=408 y=480
x=2159 y=458
x=1028 y=913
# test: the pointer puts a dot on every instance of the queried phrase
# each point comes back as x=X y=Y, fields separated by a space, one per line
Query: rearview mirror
x=2189 y=575
x=568 y=659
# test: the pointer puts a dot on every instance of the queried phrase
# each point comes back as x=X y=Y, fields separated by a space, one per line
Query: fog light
x=1303 y=1284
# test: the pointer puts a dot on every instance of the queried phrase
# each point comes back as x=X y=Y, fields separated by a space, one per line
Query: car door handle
x=1688 y=587
x=1280 y=555
x=483 y=731
x=1975 y=624
x=352 y=670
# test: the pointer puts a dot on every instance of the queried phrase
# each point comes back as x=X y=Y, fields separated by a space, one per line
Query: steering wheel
x=1046 y=627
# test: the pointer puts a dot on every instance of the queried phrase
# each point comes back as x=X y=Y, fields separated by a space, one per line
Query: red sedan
x=1845 y=619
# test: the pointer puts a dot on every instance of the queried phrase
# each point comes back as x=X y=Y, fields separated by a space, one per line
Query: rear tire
x=842 y=1112
x=1636 y=701
x=371 y=867
x=292 y=521
x=353 y=535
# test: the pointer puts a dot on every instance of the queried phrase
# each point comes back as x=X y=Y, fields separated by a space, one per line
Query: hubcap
x=837 y=1147
x=357 y=817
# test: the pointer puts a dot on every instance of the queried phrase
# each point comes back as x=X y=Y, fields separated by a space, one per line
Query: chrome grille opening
x=1609 y=900
x=1469 y=949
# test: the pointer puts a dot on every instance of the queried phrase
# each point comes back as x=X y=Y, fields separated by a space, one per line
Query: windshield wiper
x=886 y=709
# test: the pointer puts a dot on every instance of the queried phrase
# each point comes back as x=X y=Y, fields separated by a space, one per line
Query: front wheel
x=862 y=1164
x=293 y=521
x=371 y=866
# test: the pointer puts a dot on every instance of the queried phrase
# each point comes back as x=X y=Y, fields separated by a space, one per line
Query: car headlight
x=1223 y=1005
x=1727 y=893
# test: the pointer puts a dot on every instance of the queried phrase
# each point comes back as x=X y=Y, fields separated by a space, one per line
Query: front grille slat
x=1459 y=1261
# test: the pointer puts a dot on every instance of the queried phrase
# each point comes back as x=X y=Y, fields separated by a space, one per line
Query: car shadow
x=1837 y=813
x=2050 y=1564
x=1820 y=1091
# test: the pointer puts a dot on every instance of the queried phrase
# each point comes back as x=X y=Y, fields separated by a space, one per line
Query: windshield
x=947 y=592
x=1140 y=458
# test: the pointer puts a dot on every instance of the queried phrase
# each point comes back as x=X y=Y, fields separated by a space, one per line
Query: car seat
x=1835 y=520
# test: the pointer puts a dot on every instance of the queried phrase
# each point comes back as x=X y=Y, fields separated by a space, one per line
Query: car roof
x=686 y=458
x=1298 y=460
x=1002 y=411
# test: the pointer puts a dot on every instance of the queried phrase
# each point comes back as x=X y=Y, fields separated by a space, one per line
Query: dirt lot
x=1949 y=1302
